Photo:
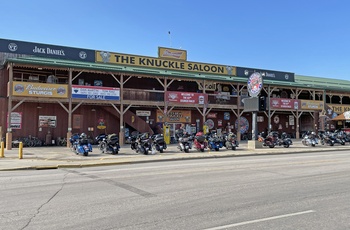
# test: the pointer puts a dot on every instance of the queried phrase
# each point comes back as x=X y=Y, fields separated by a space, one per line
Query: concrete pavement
x=53 y=157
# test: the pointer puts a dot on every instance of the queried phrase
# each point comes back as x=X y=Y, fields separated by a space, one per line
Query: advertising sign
x=95 y=92
x=47 y=121
x=266 y=74
x=45 y=50
x=311 y=105
x=255 y=84
x=175 y=116
x=339 y=109
x=143 y=113
x=31 y=89
x=172 y=53
x=16 y=120
x=284 y=103
x=186 y=98
x=150 y=62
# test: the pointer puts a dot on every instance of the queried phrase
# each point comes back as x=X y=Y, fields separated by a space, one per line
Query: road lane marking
x=260 y=220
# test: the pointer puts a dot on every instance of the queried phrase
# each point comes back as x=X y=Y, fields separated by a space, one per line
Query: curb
x=187 y=157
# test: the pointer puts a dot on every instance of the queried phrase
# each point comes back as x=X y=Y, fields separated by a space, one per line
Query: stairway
x=138 y=124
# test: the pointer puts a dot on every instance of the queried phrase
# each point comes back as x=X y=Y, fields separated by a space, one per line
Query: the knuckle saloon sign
x=163 y=63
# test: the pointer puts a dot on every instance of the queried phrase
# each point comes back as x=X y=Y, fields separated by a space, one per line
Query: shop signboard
x=16 y=120
x=311 y=105
x=14 y=47
x=266 y=74
x=31 y=89
x=171 y=53
x=339 y=109
x=95 y=92
x=162 y=63
x=143 y=113
x=175 y=116
x=284 y=103
x=186 y=97
x=47 y=121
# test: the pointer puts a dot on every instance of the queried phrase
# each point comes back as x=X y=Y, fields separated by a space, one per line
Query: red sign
x=186 y=97
x=284 y=103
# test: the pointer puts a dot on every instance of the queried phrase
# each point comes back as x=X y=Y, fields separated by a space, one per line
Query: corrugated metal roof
x=306 y=82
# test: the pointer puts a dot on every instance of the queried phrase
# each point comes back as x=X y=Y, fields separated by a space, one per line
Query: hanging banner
x=95 y=92
x=186 y=97
x=284 y=103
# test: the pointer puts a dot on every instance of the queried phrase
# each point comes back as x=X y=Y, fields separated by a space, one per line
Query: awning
x=343 y=117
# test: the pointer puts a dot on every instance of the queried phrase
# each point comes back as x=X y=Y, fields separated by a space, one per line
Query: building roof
x=305 y=82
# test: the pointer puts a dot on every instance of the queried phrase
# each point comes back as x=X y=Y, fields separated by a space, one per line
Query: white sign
x=16 y=120
x=47 y=121
x=143 y=113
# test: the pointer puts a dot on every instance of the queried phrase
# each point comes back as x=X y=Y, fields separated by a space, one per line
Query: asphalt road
x=293 y=191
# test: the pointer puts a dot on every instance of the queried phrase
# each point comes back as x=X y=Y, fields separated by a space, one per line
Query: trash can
x=48 y=138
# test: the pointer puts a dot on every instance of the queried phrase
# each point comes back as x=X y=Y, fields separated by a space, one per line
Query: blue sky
x=307 y=37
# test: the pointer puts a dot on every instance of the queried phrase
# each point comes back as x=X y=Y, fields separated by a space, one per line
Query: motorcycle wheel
x=115 y=152
x=331 y=144
x=86 y=153
x=286 y=145
x=102 y=147
x=161 y=150
x=216 y=149
x=271 y=146
x=233 y=147
x=202 y=150
x=187 y=150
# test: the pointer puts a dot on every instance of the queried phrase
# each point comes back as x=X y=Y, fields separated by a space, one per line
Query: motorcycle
x=143 y=144
x=200 y=142
x=285 y=140
x=110 y=144
x=73 y=140
x=270 y=140
x=99 y=138
x=185 y=142
x=310 y=139
x=158 y=142
x=231 y=141
x=80 y=144
x=214 y=142
x=326 y=139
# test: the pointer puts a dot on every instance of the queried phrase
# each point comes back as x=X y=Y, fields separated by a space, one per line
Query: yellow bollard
x=2 y=150
x=20 y=150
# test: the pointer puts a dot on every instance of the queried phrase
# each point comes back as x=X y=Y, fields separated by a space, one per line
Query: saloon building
x=49 y=92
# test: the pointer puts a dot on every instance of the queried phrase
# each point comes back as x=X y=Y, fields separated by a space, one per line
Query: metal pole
x=254 y=125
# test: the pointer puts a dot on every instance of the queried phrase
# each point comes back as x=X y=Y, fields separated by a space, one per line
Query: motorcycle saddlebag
x=113 y=138
x=200 y=138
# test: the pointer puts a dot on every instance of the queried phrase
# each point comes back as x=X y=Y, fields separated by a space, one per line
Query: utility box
x=251 y=104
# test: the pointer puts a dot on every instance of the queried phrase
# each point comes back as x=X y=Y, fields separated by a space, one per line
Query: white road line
x=260 y=220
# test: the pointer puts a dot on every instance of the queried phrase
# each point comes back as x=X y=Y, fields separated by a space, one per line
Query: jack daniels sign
x=266 y=74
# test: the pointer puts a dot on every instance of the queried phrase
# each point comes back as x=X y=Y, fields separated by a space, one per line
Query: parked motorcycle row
x=325 y=138
x=272 y=139
x=201 y=141
x=144 y=143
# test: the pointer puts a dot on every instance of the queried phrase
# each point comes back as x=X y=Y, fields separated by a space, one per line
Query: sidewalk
x=53 y=157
